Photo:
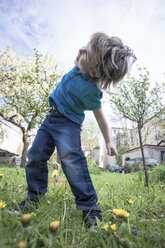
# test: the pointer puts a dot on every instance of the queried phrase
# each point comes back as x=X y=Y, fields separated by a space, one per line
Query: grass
x=145 y=227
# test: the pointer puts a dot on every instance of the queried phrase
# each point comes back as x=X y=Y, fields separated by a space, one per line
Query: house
x=105 y=159
x=152 y=151
x=122 y=136
x=95 y=154
x=153 y=134
x=10 y=138
x=154 y=131
x=11 y=143
x=153 y=137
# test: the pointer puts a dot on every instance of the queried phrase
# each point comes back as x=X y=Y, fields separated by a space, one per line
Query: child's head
x=107 y=60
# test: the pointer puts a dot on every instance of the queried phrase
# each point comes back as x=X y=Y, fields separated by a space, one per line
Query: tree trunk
x=142 y=152
x=26 y=141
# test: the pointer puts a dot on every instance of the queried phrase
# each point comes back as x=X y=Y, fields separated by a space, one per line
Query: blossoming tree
x=24 y=89
x=135 y=100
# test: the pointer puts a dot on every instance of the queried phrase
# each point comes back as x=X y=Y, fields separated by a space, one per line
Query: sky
x=61 y=27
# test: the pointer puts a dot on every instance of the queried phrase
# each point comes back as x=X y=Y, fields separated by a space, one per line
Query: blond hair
x=110 y=59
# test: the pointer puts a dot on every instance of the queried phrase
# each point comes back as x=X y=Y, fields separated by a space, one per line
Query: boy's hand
x=111 y=150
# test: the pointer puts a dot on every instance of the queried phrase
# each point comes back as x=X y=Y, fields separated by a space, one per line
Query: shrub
x=158 y=174
x=93 y=166
x=121 y=150
x=95 y=170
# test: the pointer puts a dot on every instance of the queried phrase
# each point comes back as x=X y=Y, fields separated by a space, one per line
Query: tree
x=135 y=100
x=121 y=150
x=90 y=133
x=25 y=87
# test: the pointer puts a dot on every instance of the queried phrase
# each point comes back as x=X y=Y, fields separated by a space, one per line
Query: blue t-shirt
x=75 y=94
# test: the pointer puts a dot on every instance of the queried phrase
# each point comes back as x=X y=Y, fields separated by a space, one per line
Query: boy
x=103 y=61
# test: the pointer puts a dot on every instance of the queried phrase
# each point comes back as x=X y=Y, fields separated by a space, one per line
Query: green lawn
x=145 y=226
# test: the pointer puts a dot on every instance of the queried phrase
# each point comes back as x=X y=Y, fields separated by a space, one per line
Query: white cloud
x=62 y=27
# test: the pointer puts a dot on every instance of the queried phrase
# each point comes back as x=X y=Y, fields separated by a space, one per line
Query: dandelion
x=25 y=219
x=48 y=202
x=105 y=227
x=140 y=197
x=2 y=204
x=55 y=173
x=122 y=241
x=33 y=214
x=20 y=185
x=1 y=175
x=54 y=225
x=162 y=186
x=121 y=213
x=130 y=201
x=22 y=244
x=113 y=227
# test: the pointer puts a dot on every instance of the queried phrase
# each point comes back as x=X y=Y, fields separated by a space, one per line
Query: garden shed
x=152 y=151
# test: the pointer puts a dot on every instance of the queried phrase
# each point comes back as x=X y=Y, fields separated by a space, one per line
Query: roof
x=147 y=145
x=162 y=141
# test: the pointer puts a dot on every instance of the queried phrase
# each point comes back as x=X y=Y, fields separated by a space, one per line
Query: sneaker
x=89 y=217
x=23 y=206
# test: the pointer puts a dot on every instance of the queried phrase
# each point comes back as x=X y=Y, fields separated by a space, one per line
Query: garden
x=134 y=214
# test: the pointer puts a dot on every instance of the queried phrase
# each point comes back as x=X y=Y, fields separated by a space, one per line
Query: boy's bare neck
x=93 y=80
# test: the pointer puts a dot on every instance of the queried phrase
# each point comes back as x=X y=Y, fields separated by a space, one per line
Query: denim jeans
x=60 y=132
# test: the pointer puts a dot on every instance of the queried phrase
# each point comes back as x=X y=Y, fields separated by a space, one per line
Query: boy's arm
x=99 y=115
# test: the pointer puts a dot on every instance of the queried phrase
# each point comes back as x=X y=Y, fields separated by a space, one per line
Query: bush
x=158 y=174
x=121 y=150
x=93 y=166
x=94 y=169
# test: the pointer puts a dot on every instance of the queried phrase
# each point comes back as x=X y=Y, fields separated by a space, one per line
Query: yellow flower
x=130 y=201
x=140 y=197
x=105 y=227
x=48 y=202
x=1 y=175
x=20 y=185
x=33 y=214
x=21 y=244
x=55 y=173
x=121 y=212
x=2 y=204
x=149 y=201
x=114 y=227
x=162 y=186
x=54 y=225
x=122 y=241
x=26 y=218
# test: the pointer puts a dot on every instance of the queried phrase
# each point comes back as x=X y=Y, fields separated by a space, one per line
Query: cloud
x=62 y=27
